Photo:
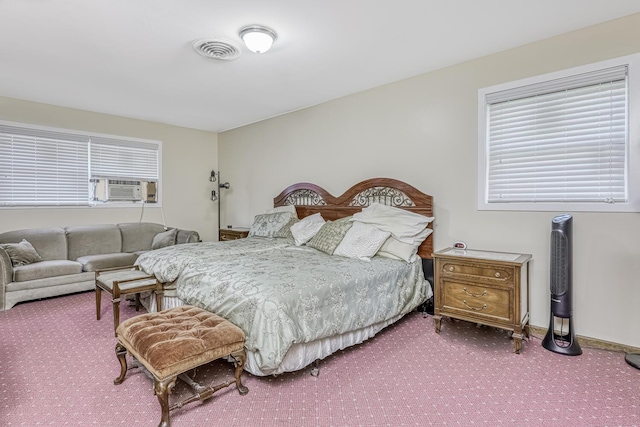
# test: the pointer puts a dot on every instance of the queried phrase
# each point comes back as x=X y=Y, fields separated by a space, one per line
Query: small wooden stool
x=125 y=281
x=171 y=342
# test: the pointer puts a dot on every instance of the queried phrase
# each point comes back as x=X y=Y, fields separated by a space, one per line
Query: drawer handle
x=474 y=295
x=464 y=301
x=497 y=274
x=451 y=268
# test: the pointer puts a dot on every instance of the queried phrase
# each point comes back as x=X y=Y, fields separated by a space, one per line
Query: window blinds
x=122 y=159
x=40 y=167
x=559 y=141
x=49 y=167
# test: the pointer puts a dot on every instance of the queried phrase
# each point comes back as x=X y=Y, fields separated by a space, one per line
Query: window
x=53 y=167
x=561 y=141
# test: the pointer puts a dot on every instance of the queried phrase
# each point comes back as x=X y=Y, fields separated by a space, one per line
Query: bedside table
x=485 y=287
x=233 y=233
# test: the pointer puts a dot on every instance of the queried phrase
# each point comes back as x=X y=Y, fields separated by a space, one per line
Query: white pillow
x=394 y=248
x=362 y=241
x=306 y=228
x=286 y=208
x=402 y=224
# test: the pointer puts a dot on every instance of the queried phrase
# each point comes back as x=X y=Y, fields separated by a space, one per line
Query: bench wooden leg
x=98 y=301
x=137 y=301
x=116 y=313
x=121 y=353
x=162 y=390
x=241 y=358
x=159 y=294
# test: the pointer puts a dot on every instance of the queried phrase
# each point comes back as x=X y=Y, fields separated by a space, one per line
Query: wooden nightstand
x=233 y=233
x=489 y=288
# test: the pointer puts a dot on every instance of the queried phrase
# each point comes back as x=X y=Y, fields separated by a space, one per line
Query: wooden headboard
x=310 y=199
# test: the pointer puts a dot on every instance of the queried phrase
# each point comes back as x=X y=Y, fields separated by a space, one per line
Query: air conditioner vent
x=221 y=49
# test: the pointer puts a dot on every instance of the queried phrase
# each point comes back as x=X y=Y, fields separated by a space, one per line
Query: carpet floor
x=57 y=366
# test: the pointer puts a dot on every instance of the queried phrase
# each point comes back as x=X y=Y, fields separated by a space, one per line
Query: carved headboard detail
x=310 y=199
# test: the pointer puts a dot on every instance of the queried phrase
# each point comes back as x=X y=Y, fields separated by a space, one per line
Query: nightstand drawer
x=477 y=300
x=233 y=233
x=502 y=274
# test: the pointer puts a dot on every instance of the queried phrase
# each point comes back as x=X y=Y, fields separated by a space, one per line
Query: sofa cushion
x=102 y=261
x=137 y=236
x=92 y=240
x=44 y=269
x=50 y=243
x=38 y=286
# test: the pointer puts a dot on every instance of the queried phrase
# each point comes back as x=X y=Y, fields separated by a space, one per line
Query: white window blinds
x=58 y=167
x=122 y=159
x=40 y=167
x=559 y=141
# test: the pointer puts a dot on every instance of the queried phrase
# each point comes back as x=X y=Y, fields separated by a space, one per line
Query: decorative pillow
x=304 y=230
x=286 y=230
x=362 y=241
x=164 y=239
x=266 y=225
x=394 y=248
x=287 y=208
x=404 y=225
x=330 y=236
x=22 y=253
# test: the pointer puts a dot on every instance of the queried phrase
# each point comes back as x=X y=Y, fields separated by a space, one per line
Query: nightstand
x=484 y=287
x=233 y=233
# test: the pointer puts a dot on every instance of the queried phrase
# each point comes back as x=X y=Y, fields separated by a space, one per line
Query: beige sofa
x=68 y=257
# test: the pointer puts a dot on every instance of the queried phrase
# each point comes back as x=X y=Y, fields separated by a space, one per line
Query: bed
x=298 y=304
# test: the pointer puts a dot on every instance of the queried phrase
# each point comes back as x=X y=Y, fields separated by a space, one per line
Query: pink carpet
x=57 y=365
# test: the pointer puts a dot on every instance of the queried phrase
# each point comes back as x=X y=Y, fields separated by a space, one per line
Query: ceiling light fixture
x=258 y=38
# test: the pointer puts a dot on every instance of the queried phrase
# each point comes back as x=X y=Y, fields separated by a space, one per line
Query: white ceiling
x=133 y=58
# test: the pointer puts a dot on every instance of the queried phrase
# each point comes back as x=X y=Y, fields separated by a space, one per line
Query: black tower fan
x=561 y=337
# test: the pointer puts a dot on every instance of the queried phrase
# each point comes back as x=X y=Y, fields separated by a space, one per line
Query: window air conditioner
x=124 y=191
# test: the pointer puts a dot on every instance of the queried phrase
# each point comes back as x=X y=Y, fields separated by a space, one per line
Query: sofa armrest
x=187 y=236
x=6 y=275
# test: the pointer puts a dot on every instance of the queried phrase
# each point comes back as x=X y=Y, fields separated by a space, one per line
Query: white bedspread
x=292 y=295
x=167 y=263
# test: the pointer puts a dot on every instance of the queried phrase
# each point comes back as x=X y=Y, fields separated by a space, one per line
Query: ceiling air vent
x=221 y=49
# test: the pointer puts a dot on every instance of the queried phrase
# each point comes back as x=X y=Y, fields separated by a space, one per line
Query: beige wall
x=187 y=159
x=424 y=131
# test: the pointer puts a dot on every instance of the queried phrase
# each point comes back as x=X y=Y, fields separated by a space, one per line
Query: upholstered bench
x=171 y=342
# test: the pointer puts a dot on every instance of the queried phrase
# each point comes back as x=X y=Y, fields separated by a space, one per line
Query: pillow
x=362 y=241
x=394 y=248
x=164 y=239
x=329 y=236
x=402 y=224
x=266 y=225
x=287 y=208
x=286 y=230
x=304 y=230
x=22 y=253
